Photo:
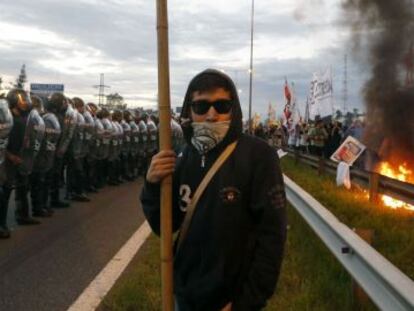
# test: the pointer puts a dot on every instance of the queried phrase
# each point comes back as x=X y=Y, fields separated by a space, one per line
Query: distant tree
x=338 y=114
x=22 y=79
x=356 y=112
x=114 y=99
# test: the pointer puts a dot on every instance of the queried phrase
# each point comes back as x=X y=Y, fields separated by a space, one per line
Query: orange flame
x=403 y=173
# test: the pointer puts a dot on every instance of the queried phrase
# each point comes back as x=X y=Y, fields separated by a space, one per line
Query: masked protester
x=6 y=124
x=44 y=160
x=76 y=156
x=58 y=104
x=228 y=254
x=23 y=146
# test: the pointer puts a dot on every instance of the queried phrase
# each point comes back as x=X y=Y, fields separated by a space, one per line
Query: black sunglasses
x=202 y=106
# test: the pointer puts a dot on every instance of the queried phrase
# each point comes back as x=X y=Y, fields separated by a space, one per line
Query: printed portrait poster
x=349 y=151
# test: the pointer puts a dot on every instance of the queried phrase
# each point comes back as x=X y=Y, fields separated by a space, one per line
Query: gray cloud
x=119 y=38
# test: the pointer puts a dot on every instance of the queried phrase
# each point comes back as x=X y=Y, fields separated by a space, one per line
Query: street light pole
x=251 y=69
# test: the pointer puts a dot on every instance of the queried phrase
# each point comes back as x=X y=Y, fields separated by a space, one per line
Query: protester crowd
x=57 y=146
x=318 y=138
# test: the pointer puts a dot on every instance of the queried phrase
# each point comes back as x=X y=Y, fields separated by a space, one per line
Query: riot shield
x=6 y=124
x=143 y=130
x=89 y=143
x=78 y=136
x=120 y=138
x=134 y=137
x=35 y=130
x=114 y=142
x=107 y=136
x=153 y=137
x=46 y=157
x=98 y=141
x=68 y=126
x=126 y=143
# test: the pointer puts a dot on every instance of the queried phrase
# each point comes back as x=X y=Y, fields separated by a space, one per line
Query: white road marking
x=92 y=296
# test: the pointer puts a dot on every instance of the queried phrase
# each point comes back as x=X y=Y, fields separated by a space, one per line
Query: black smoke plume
x=386 y=28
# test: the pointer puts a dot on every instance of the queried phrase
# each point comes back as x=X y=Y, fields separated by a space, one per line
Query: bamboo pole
x=164 y=109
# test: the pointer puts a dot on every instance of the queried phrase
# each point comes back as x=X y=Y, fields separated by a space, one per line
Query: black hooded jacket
x=234 y=246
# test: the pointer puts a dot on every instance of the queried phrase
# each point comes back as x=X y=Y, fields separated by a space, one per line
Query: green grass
x=393 y=229
x=311 y=277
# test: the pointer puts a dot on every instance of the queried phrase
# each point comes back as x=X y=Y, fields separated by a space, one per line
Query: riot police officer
x=104 y=116
x=24 y=143
x=67 y=120
x=44 y=160
x=90 y=147
x=144 y=144
x=6 y=123
x=134 y=144
x=114 y=165
x=126 y=167
x=75 y=171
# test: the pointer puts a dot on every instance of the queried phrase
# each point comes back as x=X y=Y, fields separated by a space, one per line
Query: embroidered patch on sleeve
x=230 y=195
x=277 y=196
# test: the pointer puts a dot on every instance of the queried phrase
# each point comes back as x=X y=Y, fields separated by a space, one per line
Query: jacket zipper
x=203 y=160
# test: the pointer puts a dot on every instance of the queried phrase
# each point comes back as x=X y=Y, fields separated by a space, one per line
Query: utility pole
x=345 y=85
x=101 y=87
x=251 y=68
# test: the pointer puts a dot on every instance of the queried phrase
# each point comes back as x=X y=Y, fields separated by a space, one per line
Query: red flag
x=288 y=95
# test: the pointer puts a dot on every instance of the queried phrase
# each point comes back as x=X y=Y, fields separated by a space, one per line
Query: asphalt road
x=46 y=267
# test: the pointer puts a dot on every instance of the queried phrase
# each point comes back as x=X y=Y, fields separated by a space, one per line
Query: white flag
x=320 y=94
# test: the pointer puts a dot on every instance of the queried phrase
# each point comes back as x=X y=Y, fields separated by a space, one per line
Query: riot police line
x=51 y=143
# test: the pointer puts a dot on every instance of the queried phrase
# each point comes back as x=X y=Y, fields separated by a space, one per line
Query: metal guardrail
x=375 y=182
x=386 y=285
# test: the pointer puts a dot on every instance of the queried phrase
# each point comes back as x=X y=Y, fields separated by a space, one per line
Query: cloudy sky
x=72 y=42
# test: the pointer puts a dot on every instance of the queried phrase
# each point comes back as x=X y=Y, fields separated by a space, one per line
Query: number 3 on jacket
x=185 y=200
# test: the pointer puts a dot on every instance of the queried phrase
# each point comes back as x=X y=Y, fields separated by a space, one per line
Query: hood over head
x=236 y=123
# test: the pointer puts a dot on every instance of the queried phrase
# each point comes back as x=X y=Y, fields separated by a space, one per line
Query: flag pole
x=164 y=109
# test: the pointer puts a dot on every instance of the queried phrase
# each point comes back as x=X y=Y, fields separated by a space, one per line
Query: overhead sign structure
x=46 y=89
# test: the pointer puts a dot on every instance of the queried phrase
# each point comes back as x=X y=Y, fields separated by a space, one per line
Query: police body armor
x=6 y=124
x=153 y=136
x=68 y=126
x=143 y=130
x=89 y=142
x=46 y=157
x=126 y=144
x=33 y=136
x=98 y=140
x=134 y=138
x=107 y=136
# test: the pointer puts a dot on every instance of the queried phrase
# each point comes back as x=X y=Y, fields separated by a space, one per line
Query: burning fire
x=402 y=174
